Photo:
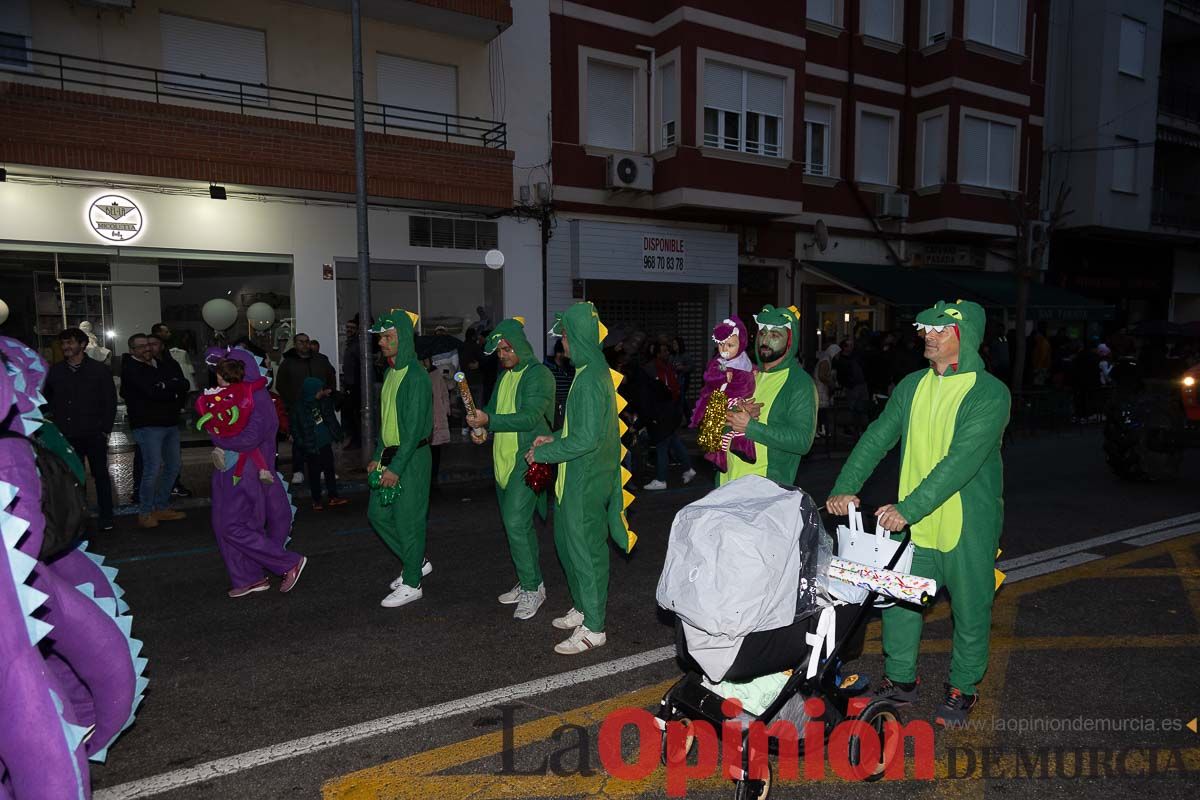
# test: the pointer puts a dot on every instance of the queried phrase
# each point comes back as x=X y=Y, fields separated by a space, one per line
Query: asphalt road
x=271 y=675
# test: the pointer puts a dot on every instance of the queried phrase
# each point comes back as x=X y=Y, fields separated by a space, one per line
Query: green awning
x=907 y=288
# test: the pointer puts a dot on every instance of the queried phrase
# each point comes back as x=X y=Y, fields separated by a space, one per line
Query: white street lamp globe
x=261 y=316
x=219 y=313
x=3 y=312
x=494 y=259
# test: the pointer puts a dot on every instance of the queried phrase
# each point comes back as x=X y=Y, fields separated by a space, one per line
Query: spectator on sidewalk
x=352 y=402
x=299 y=363
x=153 y=392
x=83 y=404
x=563 y=372
x=316 y=430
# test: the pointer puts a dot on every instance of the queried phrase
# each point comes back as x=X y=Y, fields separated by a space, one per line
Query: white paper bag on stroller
x=875 y=550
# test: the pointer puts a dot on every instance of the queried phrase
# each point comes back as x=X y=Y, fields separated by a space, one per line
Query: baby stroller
x=693 y=699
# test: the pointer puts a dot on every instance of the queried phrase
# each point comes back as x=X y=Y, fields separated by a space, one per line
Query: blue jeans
x=663 y=451
x=160 y=466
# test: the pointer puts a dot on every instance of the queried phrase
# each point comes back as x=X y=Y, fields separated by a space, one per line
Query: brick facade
x=73 y=130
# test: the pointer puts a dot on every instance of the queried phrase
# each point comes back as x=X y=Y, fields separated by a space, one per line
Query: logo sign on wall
x=115 y=218
x=662 y=254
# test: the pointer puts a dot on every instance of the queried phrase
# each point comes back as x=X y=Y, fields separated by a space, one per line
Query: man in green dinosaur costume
x=950 y=422
x=783 y=417
x=399 y=506
x=589 y=489
x=521 y=409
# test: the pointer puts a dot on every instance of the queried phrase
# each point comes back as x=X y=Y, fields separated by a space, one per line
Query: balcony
x=1179 y=99
x=1179 y=210
x=66 y=111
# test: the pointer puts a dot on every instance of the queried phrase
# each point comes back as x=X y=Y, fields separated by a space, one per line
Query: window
x=743 y=109
x=987 y=153
x=996 y=23
x=818 y=138
x=822 y=11
x=417 y=95
x=936 y=21
x=668 y=102
x=1132 y=58
x=879 y=19
x=14 y=50
x=15 y=25
x=1125 y=165
x=933 y=150
x=611 y=97
x=875 y=144
x=459 y=234
x=226 y=52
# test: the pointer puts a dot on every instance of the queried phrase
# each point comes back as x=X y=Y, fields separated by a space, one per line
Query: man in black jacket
x=299 y=363
x=83 y=404
x=153 y=390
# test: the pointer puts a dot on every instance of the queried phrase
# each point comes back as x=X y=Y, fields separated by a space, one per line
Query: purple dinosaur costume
x=735 y=376
x=70 y=676
x=251 y=520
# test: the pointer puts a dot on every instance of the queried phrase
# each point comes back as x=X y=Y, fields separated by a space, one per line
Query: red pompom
x=539 y=476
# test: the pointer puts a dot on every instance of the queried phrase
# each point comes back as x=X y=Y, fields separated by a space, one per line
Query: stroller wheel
x=752 y=789
x=673 y=753
x=884 y=718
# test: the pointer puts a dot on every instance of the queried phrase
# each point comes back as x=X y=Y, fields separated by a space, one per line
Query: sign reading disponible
x=662 y=254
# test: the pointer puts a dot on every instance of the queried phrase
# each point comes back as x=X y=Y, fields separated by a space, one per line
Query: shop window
x=235 y=55
x=1125 y=165
x=933 y=150
x=818 y=138
x=996 y=23
x=457 y=234
x=668 y=105
x=417 y=95
x=987 y=153
x=1132 y=56
x=743 y=109
x=611 y=112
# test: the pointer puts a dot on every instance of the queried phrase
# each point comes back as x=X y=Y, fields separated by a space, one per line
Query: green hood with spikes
x=585 y=333
x=971 y=321
x=772 y=317
x=513 y=331
x=402 y=321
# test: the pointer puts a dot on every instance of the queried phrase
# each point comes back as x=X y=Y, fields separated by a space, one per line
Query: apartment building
x=814 y=153
x=164 y=153
x=1123 y=135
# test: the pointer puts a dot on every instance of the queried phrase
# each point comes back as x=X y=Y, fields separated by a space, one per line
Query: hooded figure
x=252 y=520
x=787 y=421
x=731 y=373
x=589 y=488
x=950 y=427
x=519 y=410
x=402 y=454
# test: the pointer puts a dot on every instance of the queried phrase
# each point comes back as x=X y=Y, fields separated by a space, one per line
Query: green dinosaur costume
x=520 y=409
x=950 y=429
x=406 y=413
x=588 y=450
x=787 y=423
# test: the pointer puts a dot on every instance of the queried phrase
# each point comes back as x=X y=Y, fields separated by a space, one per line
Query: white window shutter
x=417 y=93
x=980 y=14
x=722 y=86
x=765 y=93
x=973 y=145
x=935 y=22
x=668 y=91
x=1008 y=25
x=879 y=19
x=874 y=148
x=218 y=51
x=612 y=91
x=1125 y=165
x=821 y=11
x=819 y=113
x=1132 y=53
x=1002 y=152
x=933 y=137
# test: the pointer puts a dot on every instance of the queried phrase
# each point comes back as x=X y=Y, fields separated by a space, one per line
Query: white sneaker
x=426 y=568
x=402 y=596
x=529 y=603
x=568 y=621
x=689 y=476
x=655 y=486
x=513 y=595
x=297 y=477
x=580 y=641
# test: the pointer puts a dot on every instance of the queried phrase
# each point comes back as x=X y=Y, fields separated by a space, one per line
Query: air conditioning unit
x=118 y=5
x=891 y=205
x=631 y=172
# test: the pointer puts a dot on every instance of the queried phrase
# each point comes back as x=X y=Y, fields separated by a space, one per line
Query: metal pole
x=366 y=383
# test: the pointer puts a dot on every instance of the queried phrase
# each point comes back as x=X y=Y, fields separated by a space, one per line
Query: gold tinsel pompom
x=713 y=423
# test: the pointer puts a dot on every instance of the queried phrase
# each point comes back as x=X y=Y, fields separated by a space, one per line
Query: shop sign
x=662 y=254
x=115 y=218
x=951 y=255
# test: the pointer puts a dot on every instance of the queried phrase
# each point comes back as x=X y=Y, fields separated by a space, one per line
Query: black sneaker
x=106 y=525
x=181 y=491
x=900 y=693
x=953 y=711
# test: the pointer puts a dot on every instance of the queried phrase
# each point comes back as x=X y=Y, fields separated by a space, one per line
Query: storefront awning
x=907 y=288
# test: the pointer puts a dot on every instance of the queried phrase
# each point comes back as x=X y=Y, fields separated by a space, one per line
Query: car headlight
x=1189 y=381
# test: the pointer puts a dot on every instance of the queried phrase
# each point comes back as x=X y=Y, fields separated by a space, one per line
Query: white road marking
x=1054 y=559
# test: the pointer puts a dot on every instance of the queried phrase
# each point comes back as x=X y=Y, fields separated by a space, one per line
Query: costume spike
x=7 y=493
x=12 y=528
x=37 y=629
x=122 y=606
x=626 y=497
x=141 y=684
x=520 y=320
x=30 y=598
x=135 y=647
x=625 y=475
x=603 y=331
x=86 y=589
x=100 y=755
x=621 y=403
x=20 y=565
x=412 y=317
x=109 y=572
x=75 y=734
x=96 y=558
x=108 y=604
x=125 y=623
x=621 y=429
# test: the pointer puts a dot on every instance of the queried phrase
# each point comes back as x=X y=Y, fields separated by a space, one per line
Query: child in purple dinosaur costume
x=730 y=371
x=252 y=520
x=70 y=675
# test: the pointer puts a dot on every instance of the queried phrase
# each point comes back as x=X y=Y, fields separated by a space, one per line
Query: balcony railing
x=1179 y=99
x=113 y=78
x=1176 y=209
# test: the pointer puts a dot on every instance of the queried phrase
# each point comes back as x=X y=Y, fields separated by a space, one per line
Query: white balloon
x=261 y=316
x=219 y=313
x=3 y=312
x=494 y=259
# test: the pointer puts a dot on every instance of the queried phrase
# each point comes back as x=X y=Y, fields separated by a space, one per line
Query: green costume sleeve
x=879 y=437
x=980 y=424
x=535 y=403
x=795 y=434
x=585 y=435
x=414 y=415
